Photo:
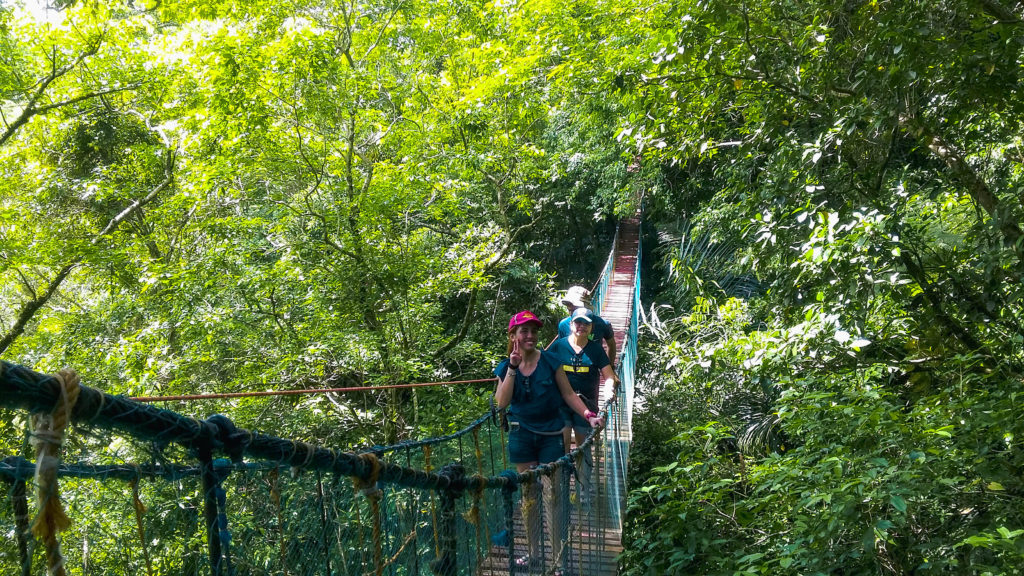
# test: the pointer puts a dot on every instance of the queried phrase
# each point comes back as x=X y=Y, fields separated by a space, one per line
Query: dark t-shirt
x=602 y=329
x=536 y=399
x=583 y=369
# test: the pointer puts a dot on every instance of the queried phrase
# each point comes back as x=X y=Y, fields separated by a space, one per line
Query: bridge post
x=446 y=563
x=209 y=478
x=218 y=538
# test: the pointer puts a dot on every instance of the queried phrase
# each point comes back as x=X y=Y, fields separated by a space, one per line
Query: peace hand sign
x=515 y=356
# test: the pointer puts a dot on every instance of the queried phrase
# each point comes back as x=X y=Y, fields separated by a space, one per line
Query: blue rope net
x=152 y=492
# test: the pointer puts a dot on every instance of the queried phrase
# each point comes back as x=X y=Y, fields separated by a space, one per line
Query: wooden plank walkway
x=595 y=538
x=618 y=300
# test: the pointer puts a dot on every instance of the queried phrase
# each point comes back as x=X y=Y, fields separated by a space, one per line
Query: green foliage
x=871 y=487
x=857 y=414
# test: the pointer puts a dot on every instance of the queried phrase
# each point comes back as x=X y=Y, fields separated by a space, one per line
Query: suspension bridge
x=204 y=497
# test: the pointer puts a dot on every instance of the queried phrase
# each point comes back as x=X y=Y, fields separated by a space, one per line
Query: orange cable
x=296 y=392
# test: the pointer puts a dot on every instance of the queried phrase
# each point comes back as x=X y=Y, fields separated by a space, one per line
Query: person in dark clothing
x=586 y=365
x=577 y=297
x=535 y=388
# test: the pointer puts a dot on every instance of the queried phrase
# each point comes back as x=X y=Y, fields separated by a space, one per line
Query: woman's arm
x=608 y=374
x=574 y=401
x=611 y=346
x=506 y=385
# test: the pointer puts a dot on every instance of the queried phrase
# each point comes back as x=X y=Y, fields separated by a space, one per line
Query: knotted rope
x=275 y=498
x=369 y=488
x=140 y=509
x=47 y=439
x=473 y=515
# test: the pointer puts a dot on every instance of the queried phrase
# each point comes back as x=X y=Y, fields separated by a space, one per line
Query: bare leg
x=587 y=469
x=531 y=517
x=554 y=514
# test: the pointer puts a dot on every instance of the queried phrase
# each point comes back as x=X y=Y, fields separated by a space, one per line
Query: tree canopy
x=223 y=197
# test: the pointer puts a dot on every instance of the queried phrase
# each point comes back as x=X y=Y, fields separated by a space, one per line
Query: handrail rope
x=222 y=395
x=18 y=468
x=474 y=425
x=47 y=439
x=302 y=455
x=17 y=389
x=608 y=262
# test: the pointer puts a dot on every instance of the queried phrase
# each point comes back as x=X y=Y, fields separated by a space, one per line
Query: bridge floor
x=593 y=547
x=618 y=300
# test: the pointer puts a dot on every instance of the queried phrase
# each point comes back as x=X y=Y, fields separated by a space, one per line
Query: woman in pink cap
x=533 y=387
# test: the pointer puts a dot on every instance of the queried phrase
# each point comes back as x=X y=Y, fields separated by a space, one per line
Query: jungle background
x=205 y=197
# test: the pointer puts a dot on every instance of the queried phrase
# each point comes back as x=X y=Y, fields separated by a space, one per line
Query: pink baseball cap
x=524 y=317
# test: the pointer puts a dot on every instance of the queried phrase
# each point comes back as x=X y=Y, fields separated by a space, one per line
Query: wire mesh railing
x=601 y=287
x=149 y=491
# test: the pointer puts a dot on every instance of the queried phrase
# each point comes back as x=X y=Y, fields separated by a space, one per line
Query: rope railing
x=151 y=491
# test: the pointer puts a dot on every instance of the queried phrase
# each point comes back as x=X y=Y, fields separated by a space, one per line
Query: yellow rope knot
x=369 y=489
x=369 y=485
x=47 y=439
x=472 y=515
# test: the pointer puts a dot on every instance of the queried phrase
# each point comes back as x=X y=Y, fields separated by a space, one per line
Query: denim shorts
x=526 y=446
x=574 y=420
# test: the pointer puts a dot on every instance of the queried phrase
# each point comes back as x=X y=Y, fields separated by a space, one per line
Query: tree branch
x=463 y=328
x=30 y=308
x=468 y=316
x=32 y=109
x=995 y=8
x=382 y=31
x=935 y=301
x=976 y=187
